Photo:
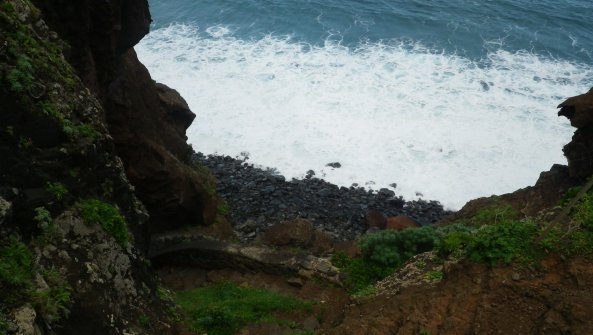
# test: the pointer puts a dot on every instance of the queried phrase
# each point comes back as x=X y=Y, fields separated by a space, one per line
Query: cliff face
x=78 y=145
x=147 y=120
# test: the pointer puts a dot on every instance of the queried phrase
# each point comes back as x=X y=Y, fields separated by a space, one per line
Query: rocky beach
x=259 y=198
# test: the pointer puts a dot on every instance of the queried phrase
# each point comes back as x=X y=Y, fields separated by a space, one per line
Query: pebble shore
x=260 y=198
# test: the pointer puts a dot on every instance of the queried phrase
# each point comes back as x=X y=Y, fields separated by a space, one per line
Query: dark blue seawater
x=451 y=99
x=560 y=29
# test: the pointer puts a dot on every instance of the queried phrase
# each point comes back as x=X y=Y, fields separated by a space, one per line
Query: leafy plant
x=584 y=212
x=503 y=243
x=144 y=321
x=16 y=270
x=433 y=275
x=57 y=189
x=95 y=211
x=223 y=208
x=42 y=216
x=391 y=248
x=81 y=130
x=52 y=303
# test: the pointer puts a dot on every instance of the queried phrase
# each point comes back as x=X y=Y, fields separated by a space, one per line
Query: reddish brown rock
x=350 y=248
x=298 y=233
x=400 y=222
x=375 y=220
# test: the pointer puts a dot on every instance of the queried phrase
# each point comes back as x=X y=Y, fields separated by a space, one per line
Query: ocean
x=450 y=100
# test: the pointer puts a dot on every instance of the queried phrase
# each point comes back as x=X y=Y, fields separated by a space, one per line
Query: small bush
x=95 y=211
x=16 y=271
x=52 y=303
x=57 y=189
x=224 y=308
x=392 y=248
x=569 y=195
x=433 y=275
x=503 y=243
x=584 y=212
x=360 y=273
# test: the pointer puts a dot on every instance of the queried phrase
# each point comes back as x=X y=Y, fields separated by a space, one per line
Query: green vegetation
x=81 y=130
x=53 y=303
x=492 y=215
x=42 y=216
x=493 y=235
x=223 y=208
x=208 y=179
x=144 y=321
x=32 y=64
x=224 y=308
x=391 y=248
x=57 y=189
x=433 y=275
x=17 y=273
x=95 y=211
x=360 y=272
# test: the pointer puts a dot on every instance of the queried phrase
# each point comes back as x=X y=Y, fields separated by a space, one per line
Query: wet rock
x=335 y=165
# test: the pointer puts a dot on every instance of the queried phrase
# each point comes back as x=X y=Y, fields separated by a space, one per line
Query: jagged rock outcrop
x=147 y=120
x=579 y=152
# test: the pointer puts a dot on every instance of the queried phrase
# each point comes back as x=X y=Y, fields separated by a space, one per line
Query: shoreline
x=258 y=199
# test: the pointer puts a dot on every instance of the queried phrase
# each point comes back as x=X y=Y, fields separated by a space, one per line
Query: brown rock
x=375 y=220
x=296 y=233
x=321 y=243
x=400 y=222
x=350 y=248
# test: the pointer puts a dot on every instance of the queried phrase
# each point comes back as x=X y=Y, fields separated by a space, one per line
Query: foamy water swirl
x=434 y=123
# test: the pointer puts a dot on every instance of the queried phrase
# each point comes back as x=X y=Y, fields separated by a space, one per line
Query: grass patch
x=95 y=211
x=16 y=271
x=224 y=308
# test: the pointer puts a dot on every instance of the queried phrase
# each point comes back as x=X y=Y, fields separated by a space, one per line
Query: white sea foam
x=433 y=123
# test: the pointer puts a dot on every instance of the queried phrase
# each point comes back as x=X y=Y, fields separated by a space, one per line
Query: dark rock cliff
x=579 y=152
x=147 y=120
x=93 y=159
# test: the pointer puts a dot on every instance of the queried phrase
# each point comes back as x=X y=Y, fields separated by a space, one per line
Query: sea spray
x=437 y=123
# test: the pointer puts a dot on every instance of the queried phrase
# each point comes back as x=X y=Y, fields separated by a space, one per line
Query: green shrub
x=569 y=195
x=52 y=303
x=224 y=308
x=453 y=239
x=223 y=208
x=584 y=212
x=503 y=243
x=492 y=215
x=95 y=211
x=433 y=275
x=392 y=248
x=360 y=273
x=81 y=130
x=16 y=270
